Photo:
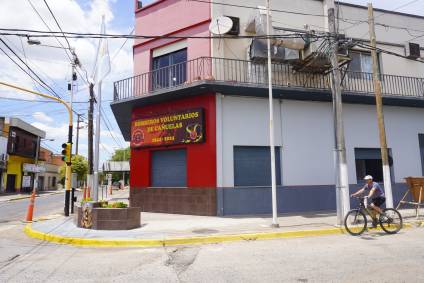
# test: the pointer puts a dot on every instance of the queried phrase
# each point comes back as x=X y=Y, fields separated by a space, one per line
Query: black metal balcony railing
x=246 y=72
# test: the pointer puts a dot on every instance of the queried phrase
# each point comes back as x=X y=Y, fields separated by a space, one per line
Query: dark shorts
x=378 y=201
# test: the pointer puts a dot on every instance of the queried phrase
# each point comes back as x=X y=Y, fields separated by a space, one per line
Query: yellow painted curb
x=90 y=242
x=174 y=241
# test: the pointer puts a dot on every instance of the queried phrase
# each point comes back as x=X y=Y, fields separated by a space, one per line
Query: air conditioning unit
x=412 y=50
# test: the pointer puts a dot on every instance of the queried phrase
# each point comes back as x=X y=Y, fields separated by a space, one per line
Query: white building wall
x=304 y=129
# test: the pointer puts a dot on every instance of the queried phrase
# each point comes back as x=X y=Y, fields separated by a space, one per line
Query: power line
x=123 y=44
x=39 y=33
x=48 y=27
x=57 y=23
x=383 y=13
x=104 y=117
x=43 y=83
x=369 y=47
x=32 y=63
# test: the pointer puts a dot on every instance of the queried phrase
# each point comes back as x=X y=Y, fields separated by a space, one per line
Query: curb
x=176 y=241
x=147 y=243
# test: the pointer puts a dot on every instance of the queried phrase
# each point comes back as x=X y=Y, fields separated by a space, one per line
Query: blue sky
x=53 y=66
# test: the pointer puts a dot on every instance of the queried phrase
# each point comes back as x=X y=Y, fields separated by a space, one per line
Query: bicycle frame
x=364 y=209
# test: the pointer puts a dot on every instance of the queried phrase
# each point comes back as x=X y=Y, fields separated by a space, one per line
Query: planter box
x=107 y=218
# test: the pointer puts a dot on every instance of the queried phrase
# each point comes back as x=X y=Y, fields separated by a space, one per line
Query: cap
x=368 y=177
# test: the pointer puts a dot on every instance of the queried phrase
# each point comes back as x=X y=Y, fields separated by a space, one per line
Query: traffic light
x=66 y=152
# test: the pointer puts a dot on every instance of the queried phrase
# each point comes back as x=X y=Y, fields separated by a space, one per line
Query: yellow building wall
x=14 y=166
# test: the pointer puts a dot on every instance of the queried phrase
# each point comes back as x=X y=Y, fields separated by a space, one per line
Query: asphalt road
x=44 y=205
x=374 y=257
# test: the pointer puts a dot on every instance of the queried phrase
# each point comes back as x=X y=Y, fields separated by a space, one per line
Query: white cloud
x=53 y=66
x=42 y=117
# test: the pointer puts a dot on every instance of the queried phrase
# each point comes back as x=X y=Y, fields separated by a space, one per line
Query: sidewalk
x=159 y=229
x=4 y=197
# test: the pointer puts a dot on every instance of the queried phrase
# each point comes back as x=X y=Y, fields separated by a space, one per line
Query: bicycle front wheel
x=391 y=221
x=355 y=222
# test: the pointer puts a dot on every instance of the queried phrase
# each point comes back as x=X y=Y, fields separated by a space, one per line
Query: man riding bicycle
x=376 y=192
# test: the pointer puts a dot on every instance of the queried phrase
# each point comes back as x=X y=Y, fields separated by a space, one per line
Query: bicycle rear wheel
x=355 y=222
x=391 y=221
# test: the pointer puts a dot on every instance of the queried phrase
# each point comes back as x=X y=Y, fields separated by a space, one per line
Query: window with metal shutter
x=169 y=168
x=252 y=166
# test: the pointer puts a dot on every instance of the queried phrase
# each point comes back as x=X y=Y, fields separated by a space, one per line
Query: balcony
x=245 y=78
x=220 y=71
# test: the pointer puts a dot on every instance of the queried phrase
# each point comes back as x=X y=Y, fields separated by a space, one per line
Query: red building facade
x=193 y=191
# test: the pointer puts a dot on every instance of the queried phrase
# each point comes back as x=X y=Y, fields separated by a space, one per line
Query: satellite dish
x=220 y=25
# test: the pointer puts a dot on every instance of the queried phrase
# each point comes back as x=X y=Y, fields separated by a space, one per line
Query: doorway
x=10 y=185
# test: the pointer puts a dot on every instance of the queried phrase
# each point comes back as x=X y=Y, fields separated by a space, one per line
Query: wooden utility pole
x=342 y=178
x=379 y=106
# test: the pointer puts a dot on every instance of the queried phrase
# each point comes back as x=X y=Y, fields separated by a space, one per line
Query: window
x=360 y=66
x=368 y=162
x=170 y=69
x=421 y=143
x=252 y=166
x=169 y=168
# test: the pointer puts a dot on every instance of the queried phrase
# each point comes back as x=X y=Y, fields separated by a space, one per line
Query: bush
x=119 y=204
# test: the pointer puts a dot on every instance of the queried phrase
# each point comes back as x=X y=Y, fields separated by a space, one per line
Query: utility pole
x=78 y=128
x=379 y=106
x=271 y=123
x=342 y=178
x=90 y=138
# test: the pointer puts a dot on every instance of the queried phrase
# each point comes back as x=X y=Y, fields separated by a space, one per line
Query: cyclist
x=376 y=192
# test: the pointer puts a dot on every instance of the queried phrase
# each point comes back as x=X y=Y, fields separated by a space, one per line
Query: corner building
x=196 y=109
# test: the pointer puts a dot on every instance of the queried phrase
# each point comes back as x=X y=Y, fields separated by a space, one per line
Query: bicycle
x=355 y=221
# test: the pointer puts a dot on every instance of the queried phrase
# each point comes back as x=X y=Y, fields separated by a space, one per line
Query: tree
x=79 y=166
x=122 y=154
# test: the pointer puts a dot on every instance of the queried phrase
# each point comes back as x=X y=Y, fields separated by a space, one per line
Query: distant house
x=23 y=140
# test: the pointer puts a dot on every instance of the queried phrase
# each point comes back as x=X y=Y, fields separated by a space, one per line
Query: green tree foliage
x=79 y=166
x=122 y=154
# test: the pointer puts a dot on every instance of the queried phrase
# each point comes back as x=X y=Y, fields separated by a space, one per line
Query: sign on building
x=26 y=181
x=181 y=127
x=33 y=168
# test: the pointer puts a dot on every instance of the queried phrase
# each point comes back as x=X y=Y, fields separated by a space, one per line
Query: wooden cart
x=416 y=189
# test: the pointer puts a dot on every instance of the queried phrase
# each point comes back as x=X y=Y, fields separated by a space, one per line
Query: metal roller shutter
x=169 y=168
x=252 y=166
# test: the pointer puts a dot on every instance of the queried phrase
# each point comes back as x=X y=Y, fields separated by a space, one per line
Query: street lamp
x=74 y=62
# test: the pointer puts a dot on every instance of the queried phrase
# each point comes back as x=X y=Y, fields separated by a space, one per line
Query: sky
x=53 y=66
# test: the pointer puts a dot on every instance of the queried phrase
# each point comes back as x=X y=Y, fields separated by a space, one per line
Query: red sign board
x=180 y=127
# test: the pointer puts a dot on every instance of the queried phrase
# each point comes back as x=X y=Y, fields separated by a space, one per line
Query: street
x=340 y=258
x=44 y=205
